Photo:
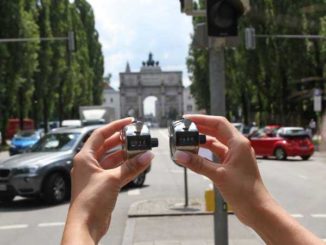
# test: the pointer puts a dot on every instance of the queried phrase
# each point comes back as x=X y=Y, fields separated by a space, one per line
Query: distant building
x=151 y=80
x=112 y=99
x=189 y=102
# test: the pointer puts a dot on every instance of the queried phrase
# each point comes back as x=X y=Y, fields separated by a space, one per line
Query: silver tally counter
x=137 y=139
x=184 y=136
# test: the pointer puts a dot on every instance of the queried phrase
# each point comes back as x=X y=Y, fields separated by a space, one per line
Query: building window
x=111 y=100
x=189 y=107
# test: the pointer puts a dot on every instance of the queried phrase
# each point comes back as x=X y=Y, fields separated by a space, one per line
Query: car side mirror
x=78 y=149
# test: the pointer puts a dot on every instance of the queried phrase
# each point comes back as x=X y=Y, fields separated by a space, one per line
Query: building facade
x=166 y=86
x=111 y=98
x=189 y=102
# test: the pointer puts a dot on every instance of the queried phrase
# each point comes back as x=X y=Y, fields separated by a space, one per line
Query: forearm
x=277 y=227
x=80 y=229
x=76 y=233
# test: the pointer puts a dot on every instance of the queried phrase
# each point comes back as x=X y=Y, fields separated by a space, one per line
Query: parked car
x=288 y=141
x=45 y=170
x=239 y=126
x=71 y=123
x=23 y=141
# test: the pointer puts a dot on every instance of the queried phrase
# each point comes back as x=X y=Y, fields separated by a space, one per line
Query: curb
x=166 y=207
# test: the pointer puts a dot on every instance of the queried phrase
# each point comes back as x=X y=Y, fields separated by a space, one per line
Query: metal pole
x=36 y=39
x=186 y=188
x=291 y=36
x=217 y=93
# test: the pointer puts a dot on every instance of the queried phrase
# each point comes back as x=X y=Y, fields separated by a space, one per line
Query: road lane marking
x=165 y=135
x=135 y=192
x=12 y=227
x=297 y=216
x=51 y=224
x=319 y=216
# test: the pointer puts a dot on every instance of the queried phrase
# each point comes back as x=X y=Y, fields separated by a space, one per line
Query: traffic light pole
x=217 y=94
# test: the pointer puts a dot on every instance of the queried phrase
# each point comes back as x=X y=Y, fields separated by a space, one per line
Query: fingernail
x=182 y=156
x=145 y=158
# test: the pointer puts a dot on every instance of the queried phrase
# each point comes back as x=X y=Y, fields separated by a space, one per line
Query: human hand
x=96 y=182
x=237 y=177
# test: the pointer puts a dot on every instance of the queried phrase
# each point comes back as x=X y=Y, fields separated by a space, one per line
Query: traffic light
x=182 y=5
x=186 y=6
x=223 y=16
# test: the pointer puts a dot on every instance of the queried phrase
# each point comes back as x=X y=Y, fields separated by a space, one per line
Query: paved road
x=298 y=185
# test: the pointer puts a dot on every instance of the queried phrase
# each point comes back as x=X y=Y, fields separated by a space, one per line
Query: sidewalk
x=167 y=222
x=4 y=155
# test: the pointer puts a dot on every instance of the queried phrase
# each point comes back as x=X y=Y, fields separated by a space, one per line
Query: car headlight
x=26 y=170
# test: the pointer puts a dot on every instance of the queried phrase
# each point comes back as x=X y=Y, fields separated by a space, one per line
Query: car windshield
x=298 y=131
x=25 y=134
x=56 y=142
x=238 y=126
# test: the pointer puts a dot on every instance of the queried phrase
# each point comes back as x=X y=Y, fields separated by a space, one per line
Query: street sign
x=317 y=92
x=317 y=103
x=250 y=38
x=318 y=100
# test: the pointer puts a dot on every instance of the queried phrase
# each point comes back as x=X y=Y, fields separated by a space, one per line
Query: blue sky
x=130 y=29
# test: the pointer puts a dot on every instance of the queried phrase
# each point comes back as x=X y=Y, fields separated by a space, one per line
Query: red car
x=288 y=141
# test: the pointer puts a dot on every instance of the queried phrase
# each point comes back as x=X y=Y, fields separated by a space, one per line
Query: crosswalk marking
x=11 y=227
x=135 y=192
x=297 y=215
x=51 y=224
x=318 y=216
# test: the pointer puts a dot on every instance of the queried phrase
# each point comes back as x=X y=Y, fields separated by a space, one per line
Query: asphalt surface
x=298 y=185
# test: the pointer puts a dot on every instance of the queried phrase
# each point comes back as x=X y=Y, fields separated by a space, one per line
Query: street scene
x=298 y=185
x=162 y=122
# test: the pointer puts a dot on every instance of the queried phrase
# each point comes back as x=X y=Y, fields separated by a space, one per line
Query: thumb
x=198 y=164
x=135 y=166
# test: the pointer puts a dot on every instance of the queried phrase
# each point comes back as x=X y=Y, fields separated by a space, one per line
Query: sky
x=130 y=29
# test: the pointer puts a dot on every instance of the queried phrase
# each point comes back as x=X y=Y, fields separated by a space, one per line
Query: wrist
x=251 y=212
x=94 y=226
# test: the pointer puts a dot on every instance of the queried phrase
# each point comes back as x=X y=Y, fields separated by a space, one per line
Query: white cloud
x=130 y=29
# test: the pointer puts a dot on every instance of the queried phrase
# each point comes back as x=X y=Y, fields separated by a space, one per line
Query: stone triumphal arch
x=166 y=86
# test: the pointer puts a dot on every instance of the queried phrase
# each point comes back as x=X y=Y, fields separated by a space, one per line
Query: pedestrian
x=253 y=128
x=312 y=126
x=96 y=184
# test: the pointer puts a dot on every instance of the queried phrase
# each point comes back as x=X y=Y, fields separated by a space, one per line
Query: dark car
x=288 y=141
x=45 y=170
x=24 y=140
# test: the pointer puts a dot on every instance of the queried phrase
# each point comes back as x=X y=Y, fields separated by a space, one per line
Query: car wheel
x=56 y=189
x=7 y=198
x=139 y=180
x=280 y=153
x=306 y=157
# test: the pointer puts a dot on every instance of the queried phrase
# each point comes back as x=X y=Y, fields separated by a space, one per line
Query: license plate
x=3 y=187
x=304 y=147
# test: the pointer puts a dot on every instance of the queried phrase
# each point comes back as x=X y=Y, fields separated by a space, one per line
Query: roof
x=75 y=129
x=107 y=86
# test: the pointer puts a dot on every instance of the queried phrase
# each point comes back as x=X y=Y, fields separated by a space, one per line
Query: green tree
x=197 y=63
x=266 y=83
x=18 y=20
